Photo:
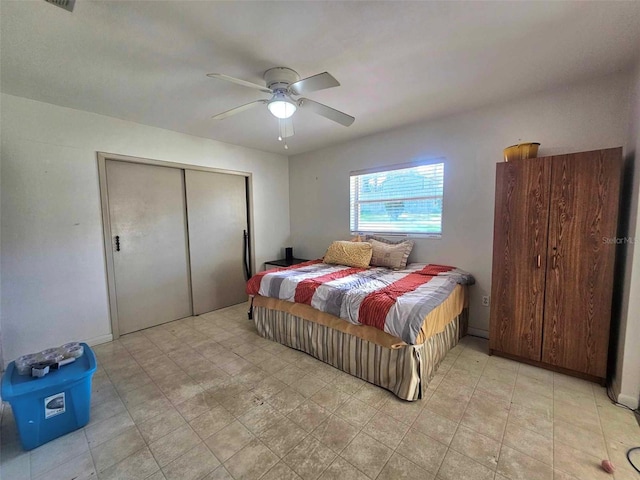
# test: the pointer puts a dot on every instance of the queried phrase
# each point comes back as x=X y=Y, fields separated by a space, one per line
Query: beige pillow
x=351 y=254
x=390 y=255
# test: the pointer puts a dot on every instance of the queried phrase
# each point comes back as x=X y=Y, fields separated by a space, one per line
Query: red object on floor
x=607 y=466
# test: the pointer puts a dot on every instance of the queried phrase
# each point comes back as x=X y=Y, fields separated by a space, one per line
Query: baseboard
x=620 y=397
x=99 y=340
x=476 y=332
x=628 y=401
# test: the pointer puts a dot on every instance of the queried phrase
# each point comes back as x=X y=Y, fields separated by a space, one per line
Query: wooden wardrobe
x=553 y=257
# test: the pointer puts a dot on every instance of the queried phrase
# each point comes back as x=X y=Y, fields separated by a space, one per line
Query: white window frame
x=389 y=168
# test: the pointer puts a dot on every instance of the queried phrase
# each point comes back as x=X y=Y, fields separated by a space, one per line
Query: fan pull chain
x=285 y=127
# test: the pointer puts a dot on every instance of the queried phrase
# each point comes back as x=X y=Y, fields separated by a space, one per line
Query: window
x=404 y=199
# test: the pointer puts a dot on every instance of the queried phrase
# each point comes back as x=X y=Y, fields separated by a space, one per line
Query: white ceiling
x=398 y=62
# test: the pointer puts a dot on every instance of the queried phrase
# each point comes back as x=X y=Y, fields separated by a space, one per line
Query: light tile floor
x=206 y=397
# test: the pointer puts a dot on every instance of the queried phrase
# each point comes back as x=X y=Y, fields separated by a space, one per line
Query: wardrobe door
x=217 y=213
x=519 y=257
x=150 y=252
x=583 y=222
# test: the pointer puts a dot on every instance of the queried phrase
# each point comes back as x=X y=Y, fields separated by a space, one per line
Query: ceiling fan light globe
x=281 y=108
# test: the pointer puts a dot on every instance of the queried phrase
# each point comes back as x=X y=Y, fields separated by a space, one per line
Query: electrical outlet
x=485 y=300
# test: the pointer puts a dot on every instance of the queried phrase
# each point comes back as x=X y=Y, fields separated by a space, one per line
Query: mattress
x=434 y=322
x=393 y=301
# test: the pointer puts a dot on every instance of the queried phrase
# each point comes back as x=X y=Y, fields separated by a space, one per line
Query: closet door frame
x=106 y=220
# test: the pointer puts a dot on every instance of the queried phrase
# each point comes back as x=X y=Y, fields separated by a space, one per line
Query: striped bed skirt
x=405 y=371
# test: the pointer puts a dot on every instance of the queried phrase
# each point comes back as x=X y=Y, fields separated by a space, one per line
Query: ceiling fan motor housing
x=280 y=78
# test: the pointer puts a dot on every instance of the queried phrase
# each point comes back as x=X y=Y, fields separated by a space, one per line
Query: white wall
x=627 y=373
x=580 y=117
x=53 y=276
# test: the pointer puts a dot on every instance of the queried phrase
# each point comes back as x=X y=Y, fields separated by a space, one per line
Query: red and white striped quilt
x=395 y=301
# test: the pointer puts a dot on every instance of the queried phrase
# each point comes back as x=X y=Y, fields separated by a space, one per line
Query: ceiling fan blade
x=313 y=84
x=239 y=109
x=244 y=83
x=327 y=112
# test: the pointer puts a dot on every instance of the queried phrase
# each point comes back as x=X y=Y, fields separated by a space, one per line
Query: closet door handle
x=538 y=261
x=117 y=243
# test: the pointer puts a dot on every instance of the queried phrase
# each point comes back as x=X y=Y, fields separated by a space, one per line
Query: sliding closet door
x=149 y=241
x=217 y=213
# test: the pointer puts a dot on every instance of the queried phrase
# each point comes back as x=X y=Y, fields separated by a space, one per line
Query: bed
x=388 y=327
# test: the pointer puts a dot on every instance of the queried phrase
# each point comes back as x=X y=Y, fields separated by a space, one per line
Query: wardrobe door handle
x=117 y=243
x=538 y=261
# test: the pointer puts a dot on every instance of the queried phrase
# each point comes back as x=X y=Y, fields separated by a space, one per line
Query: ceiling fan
x=283 y=84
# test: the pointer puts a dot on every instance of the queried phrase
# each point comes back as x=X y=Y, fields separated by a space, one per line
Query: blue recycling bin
x=54 y=405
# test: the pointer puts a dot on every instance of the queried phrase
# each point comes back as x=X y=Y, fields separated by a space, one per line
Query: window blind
x=402 y=200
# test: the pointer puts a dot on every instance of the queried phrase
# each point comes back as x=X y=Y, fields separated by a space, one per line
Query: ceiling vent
x=66 y=4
